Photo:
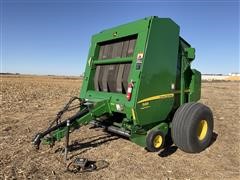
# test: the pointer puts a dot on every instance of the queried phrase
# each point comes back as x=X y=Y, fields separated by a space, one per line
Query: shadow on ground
x=214 y=138
x=94 y=141
x=169 y=148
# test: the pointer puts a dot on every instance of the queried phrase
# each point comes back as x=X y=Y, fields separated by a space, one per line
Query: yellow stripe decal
x=145 y=107
x=133 y=114
x=163 y=96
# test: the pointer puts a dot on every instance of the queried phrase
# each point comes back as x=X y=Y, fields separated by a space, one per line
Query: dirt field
x=29 y=103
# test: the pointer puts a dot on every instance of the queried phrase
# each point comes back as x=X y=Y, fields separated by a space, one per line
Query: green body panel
x=160 y=73
x=195 y=86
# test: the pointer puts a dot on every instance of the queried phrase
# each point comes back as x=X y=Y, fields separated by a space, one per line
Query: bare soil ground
x=28 y=104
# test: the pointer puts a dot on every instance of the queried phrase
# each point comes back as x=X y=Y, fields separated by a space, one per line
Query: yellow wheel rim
x=157 y=142
x=202 y=129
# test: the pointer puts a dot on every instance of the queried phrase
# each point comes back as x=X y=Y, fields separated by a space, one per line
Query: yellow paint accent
x=157 y=141
x=133 y=114
x=162 y=96
x=145 y=104
x=145 y=107
x=202 y=129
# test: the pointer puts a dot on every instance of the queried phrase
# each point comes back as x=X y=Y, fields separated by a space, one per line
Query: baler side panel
x=158 y=73
x=195 y=86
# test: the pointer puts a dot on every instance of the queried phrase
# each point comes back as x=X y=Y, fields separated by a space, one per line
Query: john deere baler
x=138 y=83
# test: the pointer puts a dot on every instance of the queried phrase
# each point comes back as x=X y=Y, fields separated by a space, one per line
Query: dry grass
x=29 y=103
x=233 y=78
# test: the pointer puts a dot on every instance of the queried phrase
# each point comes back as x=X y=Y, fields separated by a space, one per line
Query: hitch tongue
x=37 y=140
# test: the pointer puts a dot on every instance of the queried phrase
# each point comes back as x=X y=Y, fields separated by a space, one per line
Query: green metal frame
x=99 y=108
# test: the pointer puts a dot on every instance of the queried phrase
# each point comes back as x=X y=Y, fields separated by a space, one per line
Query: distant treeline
x=9 y=73
x=51 y=75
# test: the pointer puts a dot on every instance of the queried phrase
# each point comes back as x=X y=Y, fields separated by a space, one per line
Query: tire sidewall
x=150 y=138
x=201 y=113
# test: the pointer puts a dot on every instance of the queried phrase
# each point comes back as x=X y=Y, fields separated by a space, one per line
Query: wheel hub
x=202 y=129
x=157 y=142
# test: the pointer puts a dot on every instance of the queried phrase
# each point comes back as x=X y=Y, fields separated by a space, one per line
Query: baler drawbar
x=56 y=132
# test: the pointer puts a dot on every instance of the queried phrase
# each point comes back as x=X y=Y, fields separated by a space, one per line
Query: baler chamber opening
x=113 y=77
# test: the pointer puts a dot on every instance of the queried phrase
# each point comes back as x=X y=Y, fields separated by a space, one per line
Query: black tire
x=192 y=127
x=151 y=138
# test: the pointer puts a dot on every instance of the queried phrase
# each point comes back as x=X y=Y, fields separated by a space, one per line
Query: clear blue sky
x=53 y=37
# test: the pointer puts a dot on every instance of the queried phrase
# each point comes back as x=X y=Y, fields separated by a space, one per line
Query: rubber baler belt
x=114 y=77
